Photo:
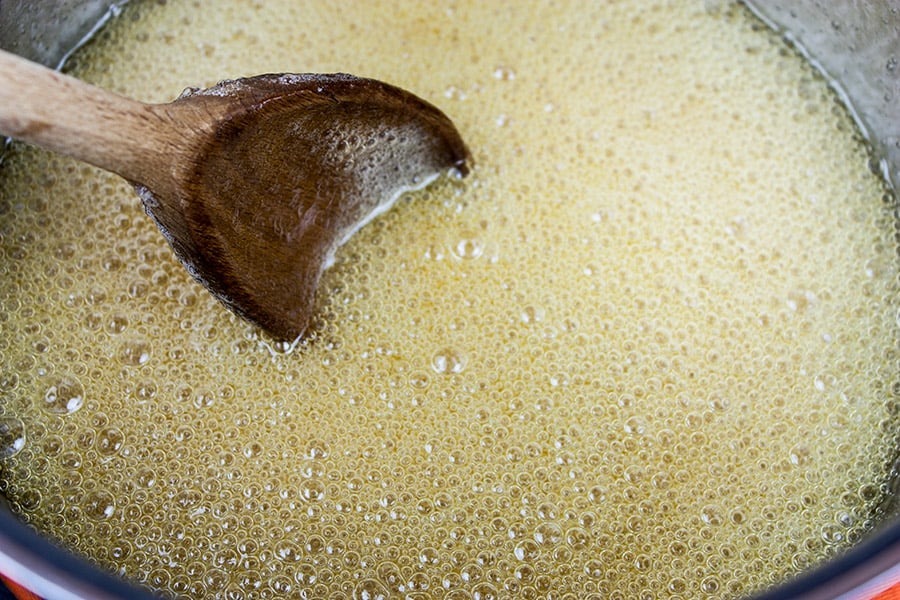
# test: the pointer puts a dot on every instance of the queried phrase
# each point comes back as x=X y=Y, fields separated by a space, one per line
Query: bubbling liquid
x=647 y=349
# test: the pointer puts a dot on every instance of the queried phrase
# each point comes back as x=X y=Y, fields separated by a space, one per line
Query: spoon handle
x=63 y=114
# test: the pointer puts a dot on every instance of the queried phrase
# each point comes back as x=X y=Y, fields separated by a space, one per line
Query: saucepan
x=855 y=44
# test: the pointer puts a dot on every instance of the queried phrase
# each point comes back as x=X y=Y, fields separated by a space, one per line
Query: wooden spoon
x=254 y=182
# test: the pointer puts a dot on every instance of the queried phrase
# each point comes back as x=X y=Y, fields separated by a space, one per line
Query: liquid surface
x=647 y=349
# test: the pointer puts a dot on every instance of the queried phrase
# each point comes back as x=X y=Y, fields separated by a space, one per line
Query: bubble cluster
x=647 y=349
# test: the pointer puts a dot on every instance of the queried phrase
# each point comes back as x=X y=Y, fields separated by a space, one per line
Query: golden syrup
x=648 y=349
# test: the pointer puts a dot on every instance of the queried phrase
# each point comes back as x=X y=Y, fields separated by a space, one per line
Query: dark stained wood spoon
x=255 y=182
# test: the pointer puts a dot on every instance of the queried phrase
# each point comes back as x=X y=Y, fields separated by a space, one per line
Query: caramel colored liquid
x=647 y=349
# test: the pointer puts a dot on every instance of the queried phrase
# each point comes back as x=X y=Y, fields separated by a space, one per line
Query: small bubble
x=468 y=248
x=370 y=589
x=532 y=314
x=134 y=352
x=801 y=300
x=316 y=449
x=253 y=449
x=184 y=433
x=203 y=399
x=832 y=534
x=660 y=480
x=70 y=460
x=65 y=397
x=635 y=425
x=111 y=262
x=548 y=534
x=711 y=515
x=117 y=324
x=504 y=73
x=99 y=505
x=288 y=551
x=434 y=253
x=96 y=296
x=710 y=585
x=597 y=495
x=93 y=321
x=448 y=360
x=110 y=441
x=868 y=492
x=12 y=436
x=312 y=490
x=578 y=538
x=429 y=556
x=484 y=591
x=526 y=550
x=643 y=562
x=29 y=500
x=454 y=93
x=146 y=478
x=138 y=289
x=595 y=569
x=799 y=455
x=419 y=380
x=146 y=390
